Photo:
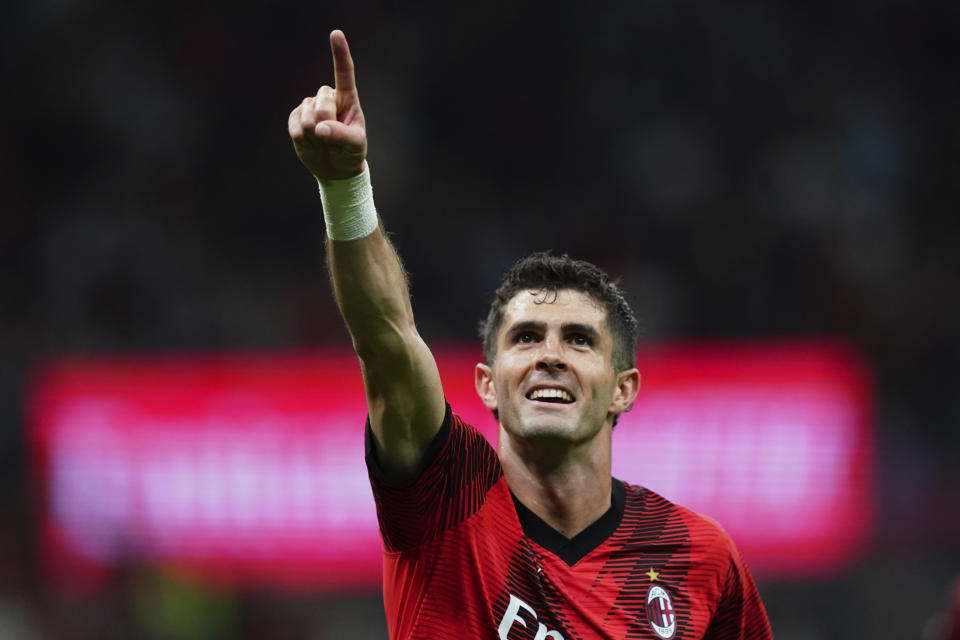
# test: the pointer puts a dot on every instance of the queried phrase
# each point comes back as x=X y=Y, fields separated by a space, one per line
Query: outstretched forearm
x=400 y=376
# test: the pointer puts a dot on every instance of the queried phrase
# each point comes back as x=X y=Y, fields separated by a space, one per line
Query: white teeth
x=551 y=393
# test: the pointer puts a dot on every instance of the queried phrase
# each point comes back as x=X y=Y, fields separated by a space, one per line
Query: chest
x=610 y=593
x=624 y=588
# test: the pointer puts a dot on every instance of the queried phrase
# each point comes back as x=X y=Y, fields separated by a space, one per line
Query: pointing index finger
x=342 y=62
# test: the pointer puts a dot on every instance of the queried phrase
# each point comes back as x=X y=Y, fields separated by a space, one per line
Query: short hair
x=543 y=272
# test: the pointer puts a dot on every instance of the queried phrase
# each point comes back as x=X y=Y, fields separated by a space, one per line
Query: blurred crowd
x=750 y=170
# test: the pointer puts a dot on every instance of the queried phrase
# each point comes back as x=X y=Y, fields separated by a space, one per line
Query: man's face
x=553 y=375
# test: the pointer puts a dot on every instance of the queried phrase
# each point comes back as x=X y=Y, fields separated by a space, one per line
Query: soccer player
x=534 y=540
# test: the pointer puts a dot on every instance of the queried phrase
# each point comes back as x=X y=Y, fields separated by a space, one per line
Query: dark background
x=750 y=170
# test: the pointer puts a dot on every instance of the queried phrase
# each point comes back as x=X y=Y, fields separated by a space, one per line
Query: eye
x=525 y=337
x=580 y=340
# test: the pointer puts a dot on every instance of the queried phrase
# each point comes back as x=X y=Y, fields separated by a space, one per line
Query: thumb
x=338 y=133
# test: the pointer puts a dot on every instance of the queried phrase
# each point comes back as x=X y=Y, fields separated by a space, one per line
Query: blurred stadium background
x=775 y=184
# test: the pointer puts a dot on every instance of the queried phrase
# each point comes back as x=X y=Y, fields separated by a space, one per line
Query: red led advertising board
x=249 y=468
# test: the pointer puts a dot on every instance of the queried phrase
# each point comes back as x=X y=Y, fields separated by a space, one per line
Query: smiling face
x=552 y=377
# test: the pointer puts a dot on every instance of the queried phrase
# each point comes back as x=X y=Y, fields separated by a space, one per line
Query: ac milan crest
x=660 y=612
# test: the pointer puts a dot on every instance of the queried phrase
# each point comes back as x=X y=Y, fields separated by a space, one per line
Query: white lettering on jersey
x=511 y=615
x=544 y=634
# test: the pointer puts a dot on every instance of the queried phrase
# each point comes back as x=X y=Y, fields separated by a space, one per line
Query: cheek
x=509 y=370
x=507 y=384
x=501 y=385
x=507 y=388
x=604 y=389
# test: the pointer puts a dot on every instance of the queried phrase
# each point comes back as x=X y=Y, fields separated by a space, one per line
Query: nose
x=551 y=364
x=550 y=357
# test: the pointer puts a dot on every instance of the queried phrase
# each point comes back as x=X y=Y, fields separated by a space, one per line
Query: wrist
x=348 y=209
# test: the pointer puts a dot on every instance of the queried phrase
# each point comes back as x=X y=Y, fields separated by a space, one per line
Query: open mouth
x=555 y=396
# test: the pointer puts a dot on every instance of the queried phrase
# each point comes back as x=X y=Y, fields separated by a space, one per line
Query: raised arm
x=400 y=376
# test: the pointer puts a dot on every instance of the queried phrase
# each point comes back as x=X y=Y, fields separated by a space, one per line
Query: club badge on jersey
x=660 y=612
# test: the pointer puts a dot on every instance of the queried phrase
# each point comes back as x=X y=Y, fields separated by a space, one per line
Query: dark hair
x=542 y=272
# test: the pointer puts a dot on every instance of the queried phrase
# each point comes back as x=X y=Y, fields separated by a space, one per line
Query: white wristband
x=348 y=206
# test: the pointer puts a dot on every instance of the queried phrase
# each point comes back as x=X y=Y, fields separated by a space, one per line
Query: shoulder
x=462 y=442
x=702 y=532
x=454 y=440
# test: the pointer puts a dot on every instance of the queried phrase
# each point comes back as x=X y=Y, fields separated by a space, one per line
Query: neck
x=567 y=485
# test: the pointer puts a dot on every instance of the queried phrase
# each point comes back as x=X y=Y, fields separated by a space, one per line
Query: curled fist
x=327 y=130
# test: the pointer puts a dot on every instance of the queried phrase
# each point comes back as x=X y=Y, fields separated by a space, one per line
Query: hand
x=328 y=131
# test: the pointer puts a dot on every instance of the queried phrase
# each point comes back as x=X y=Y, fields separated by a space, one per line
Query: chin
x=543 y=427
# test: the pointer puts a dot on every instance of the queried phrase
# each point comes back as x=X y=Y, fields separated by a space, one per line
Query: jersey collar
x=571 y=550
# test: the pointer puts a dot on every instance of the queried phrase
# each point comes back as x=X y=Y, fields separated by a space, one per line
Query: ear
x=628 y=385
x=483 y=382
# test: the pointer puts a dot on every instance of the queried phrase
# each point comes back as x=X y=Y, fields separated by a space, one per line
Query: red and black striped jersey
x=464 y=559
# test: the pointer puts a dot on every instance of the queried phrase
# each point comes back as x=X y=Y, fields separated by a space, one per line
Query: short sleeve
x=740 y=614
x=461 y=466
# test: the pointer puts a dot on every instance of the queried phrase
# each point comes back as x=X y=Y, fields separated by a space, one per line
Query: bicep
x=405 y=400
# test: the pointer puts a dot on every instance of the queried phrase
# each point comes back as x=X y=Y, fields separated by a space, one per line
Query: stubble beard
x=535 y=427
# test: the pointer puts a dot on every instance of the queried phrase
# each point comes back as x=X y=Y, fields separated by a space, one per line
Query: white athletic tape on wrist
x=348 y=206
